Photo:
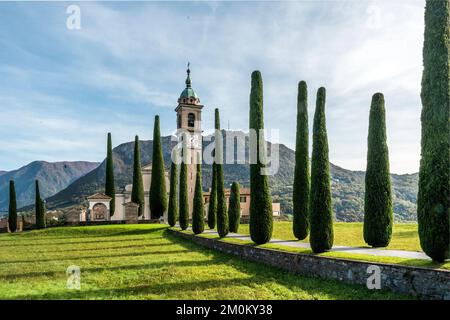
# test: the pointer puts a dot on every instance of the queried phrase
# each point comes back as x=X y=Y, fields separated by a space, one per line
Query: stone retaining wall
x=421 y=282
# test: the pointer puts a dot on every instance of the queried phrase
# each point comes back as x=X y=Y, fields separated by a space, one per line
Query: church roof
x=99 y=196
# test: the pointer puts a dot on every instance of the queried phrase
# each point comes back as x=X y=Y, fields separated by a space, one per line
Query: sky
x=62 y=90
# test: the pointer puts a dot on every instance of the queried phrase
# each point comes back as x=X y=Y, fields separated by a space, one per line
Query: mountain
x=53 y=177
x=347 y=185
x=2 y=172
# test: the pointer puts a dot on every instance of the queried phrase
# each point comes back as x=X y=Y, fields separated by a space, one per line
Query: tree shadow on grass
x=144 y=267
x=77 y=242
x=131 y=254
x=143 y=245
x=333 y=287
x=181 y=288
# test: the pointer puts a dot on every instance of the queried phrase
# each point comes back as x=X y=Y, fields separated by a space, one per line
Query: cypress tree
x=433 y=202
x=39 y=209
x=234 y=207
x=184 y=197
x=137 y=193
x=300 y=195
x=212 y=206
x=158 y=191
x=110 y=189
x=261 y=216
x=378 y=214
x=222 y=211
x=12 y=212
x=321 y=210
x=173 y=203
x=198 y=211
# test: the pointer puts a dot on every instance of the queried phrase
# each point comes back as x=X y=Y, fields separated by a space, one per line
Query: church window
x=191 y=120
x=179 y=121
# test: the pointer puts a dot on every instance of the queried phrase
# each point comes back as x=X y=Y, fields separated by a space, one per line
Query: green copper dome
x=188 y=92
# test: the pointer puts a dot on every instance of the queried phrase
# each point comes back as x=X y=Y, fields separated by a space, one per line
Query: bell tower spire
x=188 y=78
x=189 y=121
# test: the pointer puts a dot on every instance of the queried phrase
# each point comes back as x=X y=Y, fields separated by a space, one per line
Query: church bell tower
x=189 y=120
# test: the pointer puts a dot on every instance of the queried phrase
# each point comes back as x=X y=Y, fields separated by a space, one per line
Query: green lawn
x=145 y=262
x=404 y=237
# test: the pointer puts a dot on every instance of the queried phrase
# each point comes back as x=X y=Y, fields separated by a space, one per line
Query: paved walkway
x=357 y=250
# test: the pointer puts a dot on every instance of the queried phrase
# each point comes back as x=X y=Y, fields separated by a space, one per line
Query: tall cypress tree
x=261 y=216
x=212 y=206
x=172 y=213
x=222 y=211
x=433 y=202
x=158 y=191
x=184 y=196
x=198 y=211
x=378 y=214
x=12 y=212
x=110 y=189
x=234 y=207
x=39 y=208
x=137 y=193
x=321 y=210
x=300 y=195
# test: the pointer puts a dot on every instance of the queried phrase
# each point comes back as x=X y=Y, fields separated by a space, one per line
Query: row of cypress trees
x=312 y=198
x=312 y=195
x=217 y=210
x=39 y=206
x=433 y=204
x=158 y=193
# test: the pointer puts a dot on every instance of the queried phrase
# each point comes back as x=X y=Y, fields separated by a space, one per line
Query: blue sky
x=62 y=90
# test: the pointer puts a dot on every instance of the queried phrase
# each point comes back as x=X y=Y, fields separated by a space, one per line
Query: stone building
x=244 y=202
x=99 y=203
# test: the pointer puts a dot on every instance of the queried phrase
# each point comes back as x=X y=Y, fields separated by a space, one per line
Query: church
x=188 y=117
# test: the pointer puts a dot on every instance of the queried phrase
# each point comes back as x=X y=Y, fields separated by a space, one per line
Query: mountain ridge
x=347 y=185
x=53 y=177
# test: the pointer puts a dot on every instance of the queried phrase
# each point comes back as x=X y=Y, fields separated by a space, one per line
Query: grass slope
x=145 y=262
x=404 y=236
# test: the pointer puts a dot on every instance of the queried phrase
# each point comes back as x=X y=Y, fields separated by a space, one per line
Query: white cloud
x=134 y=55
